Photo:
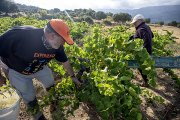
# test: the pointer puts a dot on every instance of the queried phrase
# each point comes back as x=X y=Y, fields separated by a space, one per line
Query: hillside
x=166 y=13
x=156 y=13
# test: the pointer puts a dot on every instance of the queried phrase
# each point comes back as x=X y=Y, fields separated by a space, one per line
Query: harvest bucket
x=12 y=111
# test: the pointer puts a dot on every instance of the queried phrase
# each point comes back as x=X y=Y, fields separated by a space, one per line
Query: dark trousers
x=143 y=76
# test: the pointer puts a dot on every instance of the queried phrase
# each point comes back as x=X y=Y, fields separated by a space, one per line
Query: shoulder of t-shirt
x=28 y=28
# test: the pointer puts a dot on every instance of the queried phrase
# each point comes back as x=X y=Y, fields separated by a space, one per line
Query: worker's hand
x=76 y=81
x=2 y=80
x=131 y=37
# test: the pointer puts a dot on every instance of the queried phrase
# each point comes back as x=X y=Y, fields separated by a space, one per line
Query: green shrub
x=106 y=22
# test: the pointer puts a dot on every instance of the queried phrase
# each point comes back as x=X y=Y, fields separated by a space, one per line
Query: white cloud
x=97 y=4
x=131 y=4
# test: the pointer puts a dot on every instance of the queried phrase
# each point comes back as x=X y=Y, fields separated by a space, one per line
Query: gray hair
x=47 y=30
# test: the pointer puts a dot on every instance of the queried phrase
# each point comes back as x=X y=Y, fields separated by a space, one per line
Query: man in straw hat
x=143 y=32
x=25 y=52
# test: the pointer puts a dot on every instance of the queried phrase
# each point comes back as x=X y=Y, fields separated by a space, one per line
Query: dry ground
x=175 y=30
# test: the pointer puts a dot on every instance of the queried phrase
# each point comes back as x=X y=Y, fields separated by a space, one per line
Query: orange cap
x=62 y=29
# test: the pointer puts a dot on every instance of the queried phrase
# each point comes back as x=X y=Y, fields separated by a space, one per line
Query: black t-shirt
x=22 y=49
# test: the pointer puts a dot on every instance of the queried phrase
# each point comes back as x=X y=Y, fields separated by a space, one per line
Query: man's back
x=144 y=32
x=24 y=46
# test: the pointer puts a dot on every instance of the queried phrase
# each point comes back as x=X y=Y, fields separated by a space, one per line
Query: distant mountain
x=156 y=13
x=166 y=13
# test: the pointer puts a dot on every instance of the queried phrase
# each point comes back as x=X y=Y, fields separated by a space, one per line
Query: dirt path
x=167 y=89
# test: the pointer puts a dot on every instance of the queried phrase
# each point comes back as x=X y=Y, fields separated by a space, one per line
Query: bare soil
x=160 y=30
x=167 y=89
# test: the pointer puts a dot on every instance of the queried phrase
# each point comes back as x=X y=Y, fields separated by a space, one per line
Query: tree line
x=78 y=15
x=8 y=6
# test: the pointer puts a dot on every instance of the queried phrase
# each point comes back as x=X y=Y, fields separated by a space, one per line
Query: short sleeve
x=60 y=55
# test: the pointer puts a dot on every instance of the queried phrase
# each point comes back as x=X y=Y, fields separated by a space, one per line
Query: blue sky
x=97 y=4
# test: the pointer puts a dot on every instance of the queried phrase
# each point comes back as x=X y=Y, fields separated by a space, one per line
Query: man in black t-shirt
x=143 y=32
x=25 y=52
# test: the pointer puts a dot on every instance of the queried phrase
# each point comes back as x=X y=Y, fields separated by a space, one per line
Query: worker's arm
x=70 y=71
